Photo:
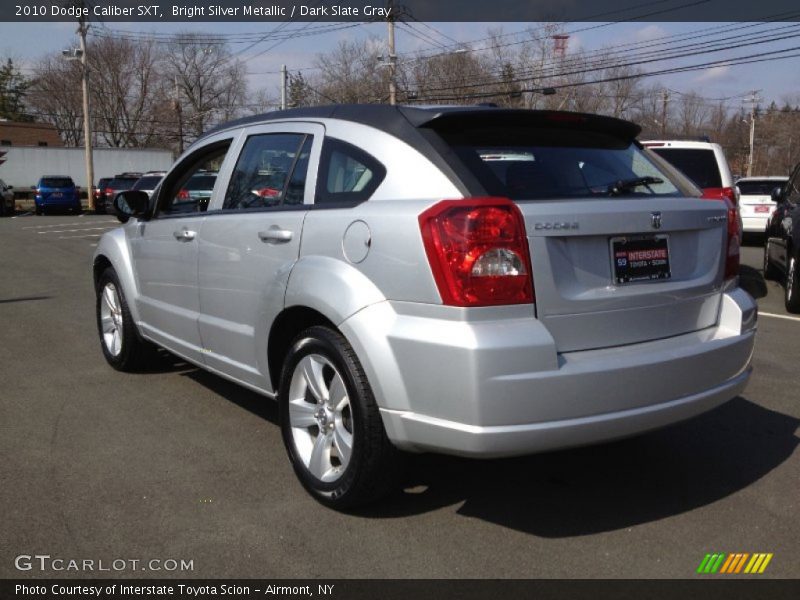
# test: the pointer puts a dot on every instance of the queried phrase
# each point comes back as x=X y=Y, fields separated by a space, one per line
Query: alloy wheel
x=320 y=418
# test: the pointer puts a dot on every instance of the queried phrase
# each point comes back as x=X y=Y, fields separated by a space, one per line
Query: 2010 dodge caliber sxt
x=464 y=280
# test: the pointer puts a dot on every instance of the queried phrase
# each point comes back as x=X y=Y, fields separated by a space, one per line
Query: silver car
x=472 y=281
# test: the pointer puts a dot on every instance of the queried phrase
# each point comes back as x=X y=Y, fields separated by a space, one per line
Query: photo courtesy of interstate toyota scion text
x=474 y=281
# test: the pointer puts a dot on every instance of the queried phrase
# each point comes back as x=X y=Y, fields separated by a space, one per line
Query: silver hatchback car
x=464 y=280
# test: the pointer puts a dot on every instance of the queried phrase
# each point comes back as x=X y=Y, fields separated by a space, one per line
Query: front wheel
x=331 y=425
x=792 y=298
x=122 y=346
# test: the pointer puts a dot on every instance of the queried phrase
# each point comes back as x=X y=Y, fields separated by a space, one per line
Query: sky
x=777 y=80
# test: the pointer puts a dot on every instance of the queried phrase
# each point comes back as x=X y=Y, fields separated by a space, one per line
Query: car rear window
x=146 y=183
x=121 y=183
x=754 y=187
x=201 y=182
x=539 y=163
x=698 y=164
x=57 y=182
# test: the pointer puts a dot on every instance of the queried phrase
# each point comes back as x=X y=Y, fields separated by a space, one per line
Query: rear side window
x=698 y=164
x=540 y=163
x=57 y=182
x=347 y=175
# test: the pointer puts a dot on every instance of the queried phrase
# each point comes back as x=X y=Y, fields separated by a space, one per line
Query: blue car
x=57 y=192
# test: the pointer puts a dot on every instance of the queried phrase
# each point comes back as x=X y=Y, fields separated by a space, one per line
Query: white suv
x=757 y=204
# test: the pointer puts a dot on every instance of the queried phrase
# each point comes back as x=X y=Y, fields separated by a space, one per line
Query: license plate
x=640 y=258
x=57 y=194
x=762 y=209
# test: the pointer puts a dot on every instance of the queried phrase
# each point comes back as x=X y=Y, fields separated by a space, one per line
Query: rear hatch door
x=623 y=250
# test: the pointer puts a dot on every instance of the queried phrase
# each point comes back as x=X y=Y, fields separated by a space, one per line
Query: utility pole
x=179 y=113
x=753 y=100
x=284 y=80
x=87 y=129
x=664 y=101
x=390 y=19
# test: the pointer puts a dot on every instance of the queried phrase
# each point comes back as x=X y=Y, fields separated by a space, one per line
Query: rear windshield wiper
x=627 y=185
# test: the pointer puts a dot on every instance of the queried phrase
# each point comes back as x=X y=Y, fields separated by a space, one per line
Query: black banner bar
x=730 y=588
x=520 y=11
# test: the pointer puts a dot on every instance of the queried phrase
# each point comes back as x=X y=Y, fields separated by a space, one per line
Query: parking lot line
x=774 y=316
x=72 y=237
x=64 y=224
x=74 y=230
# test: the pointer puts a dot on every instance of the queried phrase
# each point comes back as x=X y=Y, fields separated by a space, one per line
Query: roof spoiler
x=485 y=116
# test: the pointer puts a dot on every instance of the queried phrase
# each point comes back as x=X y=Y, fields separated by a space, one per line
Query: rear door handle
x=184 y=235
x=275 y=235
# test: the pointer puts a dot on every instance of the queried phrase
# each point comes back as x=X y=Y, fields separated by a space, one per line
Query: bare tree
x=55 y=96
x=209 y=82
x=127 y=88
x=352 y=73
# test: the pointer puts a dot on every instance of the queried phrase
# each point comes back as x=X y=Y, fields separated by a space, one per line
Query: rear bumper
x=753 y=224
x=493 y=388
x=65 y=202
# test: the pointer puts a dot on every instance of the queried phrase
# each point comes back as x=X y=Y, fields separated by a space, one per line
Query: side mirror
x=131 y=203
x=10 y=187
x=777 y=194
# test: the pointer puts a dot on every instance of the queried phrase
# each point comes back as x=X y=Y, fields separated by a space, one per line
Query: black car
x=120 y=183
x=782 y=246
x=100 y=194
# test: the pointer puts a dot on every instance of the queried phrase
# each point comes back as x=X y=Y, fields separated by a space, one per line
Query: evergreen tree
x=13 y=87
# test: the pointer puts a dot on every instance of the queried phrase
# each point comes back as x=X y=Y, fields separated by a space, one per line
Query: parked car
x=57 y=192
x=782 y=245
x=474 y=281
x=705 y=164
x=196 y=192
x=7 y=202
x=148 y=182
x=100 y=194
x=755 y=201
x=120 y=183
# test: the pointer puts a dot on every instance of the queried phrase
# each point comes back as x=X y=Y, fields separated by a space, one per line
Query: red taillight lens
x=109 y=191
x=732 y=244
x=183 y=195
x=478 y=252
x=722 y=193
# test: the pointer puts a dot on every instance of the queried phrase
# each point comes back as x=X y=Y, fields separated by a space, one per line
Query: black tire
x=39 y=211
x=134 y=353
x=792 y=285
x=372 y=468
x=771 y=272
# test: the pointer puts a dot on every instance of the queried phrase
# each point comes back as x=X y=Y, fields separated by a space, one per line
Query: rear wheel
x=122 y=346
x=792 y=298
x=331 y=426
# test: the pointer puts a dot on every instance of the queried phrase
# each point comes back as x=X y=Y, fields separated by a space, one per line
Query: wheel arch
x=112 y=251
x=289 y=323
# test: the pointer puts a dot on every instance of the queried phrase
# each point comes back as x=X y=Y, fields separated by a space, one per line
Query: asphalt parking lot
x=179 y=464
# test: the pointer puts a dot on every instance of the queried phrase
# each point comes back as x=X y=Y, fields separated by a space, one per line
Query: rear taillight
x=183 y=195
x=722 y=193
x=732 y=242
x=478 y=252
x=109 y=191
